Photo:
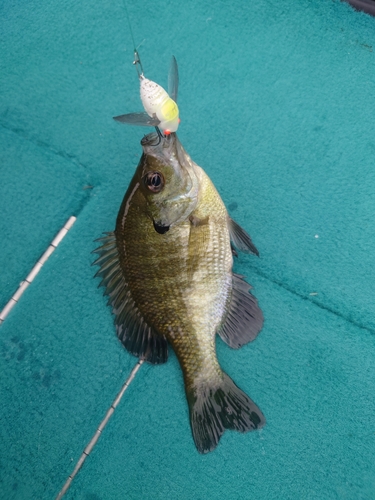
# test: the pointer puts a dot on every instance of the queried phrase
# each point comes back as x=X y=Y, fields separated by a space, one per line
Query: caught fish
x=167 y=269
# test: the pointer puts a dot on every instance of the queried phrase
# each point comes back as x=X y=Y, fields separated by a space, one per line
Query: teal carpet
x=277 y=105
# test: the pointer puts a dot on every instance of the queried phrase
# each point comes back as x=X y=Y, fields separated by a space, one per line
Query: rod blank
x=38 y=266
x=99 y=430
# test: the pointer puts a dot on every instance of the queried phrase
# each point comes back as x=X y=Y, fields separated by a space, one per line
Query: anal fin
x=244 y=318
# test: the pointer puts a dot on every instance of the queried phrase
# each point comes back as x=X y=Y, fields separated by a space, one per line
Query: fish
x=167 y=269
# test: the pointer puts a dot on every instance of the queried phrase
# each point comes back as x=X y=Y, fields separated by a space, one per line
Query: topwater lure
x=161 y=108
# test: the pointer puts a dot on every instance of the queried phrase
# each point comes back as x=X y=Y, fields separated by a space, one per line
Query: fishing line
x=130 y=26
x=137 y=62
x=137 y=59
x=86 y=452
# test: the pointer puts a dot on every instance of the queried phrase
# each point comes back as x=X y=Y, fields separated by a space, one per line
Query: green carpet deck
x=277 y=105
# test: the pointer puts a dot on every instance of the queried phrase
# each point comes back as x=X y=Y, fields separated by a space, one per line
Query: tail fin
x=212 y=410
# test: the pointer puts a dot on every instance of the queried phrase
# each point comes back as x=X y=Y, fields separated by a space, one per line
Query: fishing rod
x=86 y=452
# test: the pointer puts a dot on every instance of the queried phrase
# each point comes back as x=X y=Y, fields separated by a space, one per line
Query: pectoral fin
x=196 y=221
x=240 y=239
x=133 y=331
x=244 y=319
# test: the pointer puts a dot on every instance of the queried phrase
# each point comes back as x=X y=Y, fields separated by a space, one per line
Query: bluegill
x=167 y=269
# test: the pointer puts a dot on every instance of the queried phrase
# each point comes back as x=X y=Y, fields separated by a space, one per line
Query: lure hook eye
x=154 y=181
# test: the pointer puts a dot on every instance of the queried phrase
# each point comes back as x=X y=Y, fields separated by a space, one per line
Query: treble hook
x=150 y=139
x=160 y=135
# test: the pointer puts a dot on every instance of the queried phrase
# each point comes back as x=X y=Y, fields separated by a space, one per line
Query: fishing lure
x=160 y=106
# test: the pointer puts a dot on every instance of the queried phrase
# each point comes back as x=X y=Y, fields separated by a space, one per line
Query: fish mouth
x=168 y=150
x=158 y=140
x=160 y=228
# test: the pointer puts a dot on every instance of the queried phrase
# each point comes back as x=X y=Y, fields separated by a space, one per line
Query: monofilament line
x=130 y=26
x=38 y=266
x=99 y=430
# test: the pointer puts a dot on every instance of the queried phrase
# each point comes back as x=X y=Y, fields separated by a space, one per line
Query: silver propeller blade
x=138 y=119
x=173 y=79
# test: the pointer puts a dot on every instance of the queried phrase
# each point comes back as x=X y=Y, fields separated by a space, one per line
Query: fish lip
x=160 y=228
x=168 y=150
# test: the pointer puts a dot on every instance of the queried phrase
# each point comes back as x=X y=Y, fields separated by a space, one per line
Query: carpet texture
x=277 y=105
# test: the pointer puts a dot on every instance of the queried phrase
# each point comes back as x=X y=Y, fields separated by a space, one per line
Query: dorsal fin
x=240 y=239
x=244 y=319
x=133 y=331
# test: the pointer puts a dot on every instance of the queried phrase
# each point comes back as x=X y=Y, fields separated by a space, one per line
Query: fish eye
x=154 y=181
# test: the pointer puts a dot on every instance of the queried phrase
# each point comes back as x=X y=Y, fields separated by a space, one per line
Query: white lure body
x=158 y=104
